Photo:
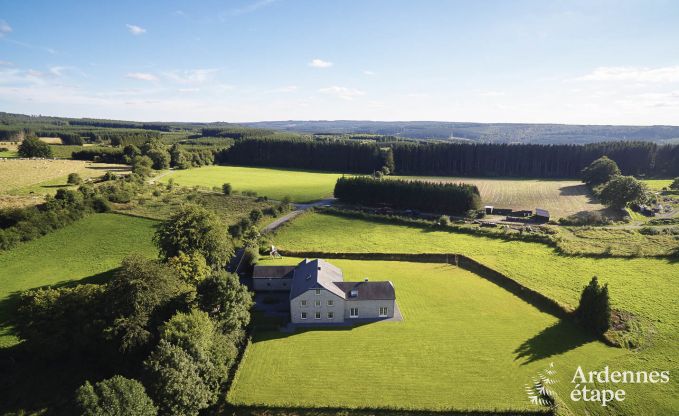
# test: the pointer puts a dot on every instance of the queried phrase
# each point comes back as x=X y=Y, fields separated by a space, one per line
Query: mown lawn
x=301 y=186
x=465 y=343
x=89 y=247
x=646 y=287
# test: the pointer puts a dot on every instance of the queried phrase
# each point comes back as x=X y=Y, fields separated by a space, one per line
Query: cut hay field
x=464 y=343
x=301 y=186
x=561 y=197
x=87 y=248
x=646 y=287
x=22 y=177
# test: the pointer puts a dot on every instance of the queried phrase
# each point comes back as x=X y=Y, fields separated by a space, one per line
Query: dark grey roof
x=315 y=274
x=368 y=290
x=272 y=272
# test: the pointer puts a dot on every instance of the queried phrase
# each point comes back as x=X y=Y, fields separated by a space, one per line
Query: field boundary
x=261 y=410
x=533 y=297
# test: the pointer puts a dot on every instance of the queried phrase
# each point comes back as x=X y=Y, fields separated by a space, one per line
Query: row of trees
x=532 y=160
x=163 y=332
x=326 y=155
x=445 y=198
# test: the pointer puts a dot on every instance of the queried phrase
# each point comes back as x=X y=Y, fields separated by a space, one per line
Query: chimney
x=365 y=280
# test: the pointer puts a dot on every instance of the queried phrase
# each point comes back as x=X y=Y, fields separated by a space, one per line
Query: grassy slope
x=657 y=184
x=301 y=186
x=647 y=287
x=465 y=343
x=91 y=246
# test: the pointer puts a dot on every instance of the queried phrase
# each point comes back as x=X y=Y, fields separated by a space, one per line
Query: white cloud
x=6 y=63
x=368 y=72
x=135 y=30
x=319 y=63
x=142 y=76
x=492 y=94
x=633 y=74
x=4 y=28
x=191 y=76
x=342 y=92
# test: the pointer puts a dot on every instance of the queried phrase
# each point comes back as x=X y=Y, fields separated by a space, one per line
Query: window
x=318 y=291
x=331 y=315
x=353 y=293
x=318 y=303
x=353 y=313
x=303 y=315
x=384 y=311
x=318 y=315
x=268 y=284
x=302 y=303
x=330 y=303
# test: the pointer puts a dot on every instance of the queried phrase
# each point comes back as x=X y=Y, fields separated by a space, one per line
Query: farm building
x=541 y=214
x=319 y=294
x=272 y=278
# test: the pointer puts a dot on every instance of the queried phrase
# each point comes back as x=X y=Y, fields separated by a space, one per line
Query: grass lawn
x=86 y=248
x=301 y=186
x=9 y=153
x=644 y=286
x=657 y=184
x=465 y=343
x=560 y=197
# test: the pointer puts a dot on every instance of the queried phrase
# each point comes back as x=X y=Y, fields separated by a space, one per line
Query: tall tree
x=600 y=171
x=594 y=310
x=621 y=191
x=116 y=396
x=34 y=147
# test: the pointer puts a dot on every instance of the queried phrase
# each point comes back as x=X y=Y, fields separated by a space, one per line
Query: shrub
x=675 y=184
x=226 y=189
x=116 y=396
x=444 y=220
x=256 y=215
x=34 y=147
x=74 y=179
x=594 y=310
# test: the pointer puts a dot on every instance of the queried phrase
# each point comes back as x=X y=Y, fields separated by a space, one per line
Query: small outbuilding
x=541 y=214
x=272 y=278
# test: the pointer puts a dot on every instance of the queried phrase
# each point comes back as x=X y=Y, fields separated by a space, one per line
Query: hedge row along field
x=448 y=198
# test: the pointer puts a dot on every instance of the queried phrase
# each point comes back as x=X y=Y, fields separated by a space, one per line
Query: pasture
x=646 y=287
x=560 y=197
x=85 y=249
x=300 y=186
x=657 y=184
x=44 y=176
x=465 y=343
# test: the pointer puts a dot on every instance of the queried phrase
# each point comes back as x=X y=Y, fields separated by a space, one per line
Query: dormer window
x=318 y=291
x=353 y=293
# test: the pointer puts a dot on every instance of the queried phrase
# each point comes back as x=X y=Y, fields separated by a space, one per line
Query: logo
x=540 y=392
x=587 y=383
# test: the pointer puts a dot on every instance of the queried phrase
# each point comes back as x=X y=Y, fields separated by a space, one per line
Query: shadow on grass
x=557 y=339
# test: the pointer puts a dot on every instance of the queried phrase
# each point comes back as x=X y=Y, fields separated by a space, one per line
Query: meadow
x=44 y=176
x=560 y=197
x=86 y=249
x=657 y=184
x=645 y=287
x=464 y=343
x=300 y=186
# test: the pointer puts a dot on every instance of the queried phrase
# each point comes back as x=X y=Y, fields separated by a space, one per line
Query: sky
x=579 y=62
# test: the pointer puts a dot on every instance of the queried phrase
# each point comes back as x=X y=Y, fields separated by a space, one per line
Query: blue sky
x=590 y=62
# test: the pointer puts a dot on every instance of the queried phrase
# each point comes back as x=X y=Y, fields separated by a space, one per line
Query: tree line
x=330 y=155
x=531 y=160
x=445 y=198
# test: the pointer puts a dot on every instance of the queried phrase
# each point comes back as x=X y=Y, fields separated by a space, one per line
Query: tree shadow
x=557 y=339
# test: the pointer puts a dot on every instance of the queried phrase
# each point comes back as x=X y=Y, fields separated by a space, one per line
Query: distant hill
x=483 y=132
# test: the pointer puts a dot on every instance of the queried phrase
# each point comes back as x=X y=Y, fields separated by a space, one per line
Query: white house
x=319 y=294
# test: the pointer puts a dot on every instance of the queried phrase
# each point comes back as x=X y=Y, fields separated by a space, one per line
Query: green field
x=657 y=184
x=464 y=343
x=301 y=186
x=84 y=249
x=644 y=286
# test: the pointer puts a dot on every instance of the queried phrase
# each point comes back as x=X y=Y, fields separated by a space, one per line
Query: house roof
x=272 y=272
x=315 y=274
x=368 y=290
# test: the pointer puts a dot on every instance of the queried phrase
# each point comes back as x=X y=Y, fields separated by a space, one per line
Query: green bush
x=34 y=147
x=116 y=396
x=74 y=179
